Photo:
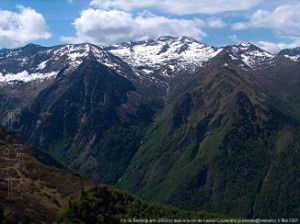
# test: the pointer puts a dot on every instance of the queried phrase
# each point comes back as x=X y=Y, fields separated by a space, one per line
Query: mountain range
x=171 y=120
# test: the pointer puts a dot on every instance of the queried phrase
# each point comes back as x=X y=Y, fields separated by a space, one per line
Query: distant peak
x=189 y=39
x=295 y=50
x=32 y=48
x=32 y=45
x=91 y=45
x=165 y=38
x=247 y=54
x=182 y=39
x=245 y=44
x=292 y=53
x=84 y=45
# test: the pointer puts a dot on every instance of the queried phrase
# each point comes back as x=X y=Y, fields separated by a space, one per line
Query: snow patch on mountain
x=75 y=55
x=294 y=58
x=41 y=61
x=173 y=53
x=291 y=53
x=156 y=60
x=42 y=65
x=251 y=56
x=24 y=76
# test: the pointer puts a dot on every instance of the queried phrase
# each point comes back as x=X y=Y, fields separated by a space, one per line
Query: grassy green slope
x=219 y=147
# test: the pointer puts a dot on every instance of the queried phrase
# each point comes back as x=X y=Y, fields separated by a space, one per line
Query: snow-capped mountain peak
x=293 y=53
x=165 y=38
x=40 y=63
x=74 y=54
x=164 y=54
x=250 y=55
x=156 y=60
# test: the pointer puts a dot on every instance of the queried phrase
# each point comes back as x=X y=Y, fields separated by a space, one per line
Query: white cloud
x=18 y=28
x=178 y=7
x=112 y=26
x=70 y=1
x=124 y=5
x=239 y=26
x=285 y=19
x=216 y=23
x=234 y=39
x=276 y=47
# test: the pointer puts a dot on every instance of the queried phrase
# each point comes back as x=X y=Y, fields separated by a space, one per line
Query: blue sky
x=270 y=24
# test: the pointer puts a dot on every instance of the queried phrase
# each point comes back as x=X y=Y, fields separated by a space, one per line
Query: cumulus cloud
x=216 y=23
x=239 y=26
x=18 y=28
x=112 y=26
x=178 y=7
x=285 y=18
x=276 y=47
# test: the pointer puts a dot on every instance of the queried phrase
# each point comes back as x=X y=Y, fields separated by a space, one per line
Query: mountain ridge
x=72 y=54
x=292 y=53
x=184 y=131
